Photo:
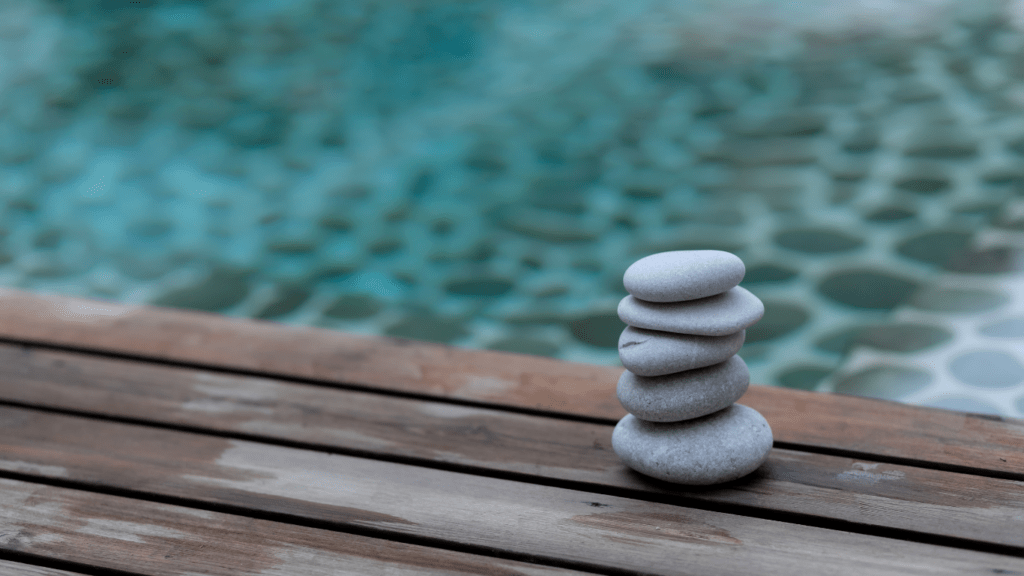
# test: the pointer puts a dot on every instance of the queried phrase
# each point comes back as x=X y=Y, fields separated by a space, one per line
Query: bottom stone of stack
x=684 y=395
x=719 y=447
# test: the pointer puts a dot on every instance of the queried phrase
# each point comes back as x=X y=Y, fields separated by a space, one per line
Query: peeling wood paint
x=129 y=531
x=657 y=526
x=166 y=540
x=85 y=311
x=441 y=410
x=65 y=309
x=863 y=472
x=309 y=476
x=478 y=386
x=223 y=406
x=33 y=468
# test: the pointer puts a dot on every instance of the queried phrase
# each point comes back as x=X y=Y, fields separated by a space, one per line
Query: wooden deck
x=140 y=440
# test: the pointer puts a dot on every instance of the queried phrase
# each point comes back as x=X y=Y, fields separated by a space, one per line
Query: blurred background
x=481 y=173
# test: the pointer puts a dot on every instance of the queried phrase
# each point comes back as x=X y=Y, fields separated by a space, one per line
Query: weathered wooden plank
x=119 y=533
x=518 y=518
x=831 y=421
x=828 y=487
x=8 y=568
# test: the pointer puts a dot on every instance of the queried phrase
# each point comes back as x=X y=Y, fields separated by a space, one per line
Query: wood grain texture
x=869 y=493
x=831 y=421
x=519 y=518
x=864 y=492
x=165 y=540
x=8 y=568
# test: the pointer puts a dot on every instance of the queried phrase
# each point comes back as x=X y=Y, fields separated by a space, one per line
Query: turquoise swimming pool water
x=482 y=173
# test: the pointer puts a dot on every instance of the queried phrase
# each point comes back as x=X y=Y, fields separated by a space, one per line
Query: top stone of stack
x=683 y=275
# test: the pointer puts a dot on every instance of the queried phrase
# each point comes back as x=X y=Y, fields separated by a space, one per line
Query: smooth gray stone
x=719 y=315
x=654 y=353
x=683 y=275
x=684 y=395
x=719 y=447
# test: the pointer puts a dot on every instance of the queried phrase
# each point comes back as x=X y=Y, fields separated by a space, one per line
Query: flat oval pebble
x=719 y=315
x=684 y=395
x=719 y=447
x=683 y=275
x=653 y=353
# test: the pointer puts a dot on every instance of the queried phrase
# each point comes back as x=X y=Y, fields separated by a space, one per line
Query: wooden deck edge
x=830 y=421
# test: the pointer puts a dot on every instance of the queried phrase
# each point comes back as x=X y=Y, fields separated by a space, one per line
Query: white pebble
x=719 y=447
x=684 y=395
x=719 y=315
x=652 y=353
x=683 y=275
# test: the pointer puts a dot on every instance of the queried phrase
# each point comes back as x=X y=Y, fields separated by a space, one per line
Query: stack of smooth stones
x=687 y=318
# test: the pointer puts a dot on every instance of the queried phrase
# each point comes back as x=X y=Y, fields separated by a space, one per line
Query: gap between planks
x=980 y=456
x=112 y=535
x=842 y=424
x=806 y=489
x=823 y=423
x=763 y=505
x=553 y=526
